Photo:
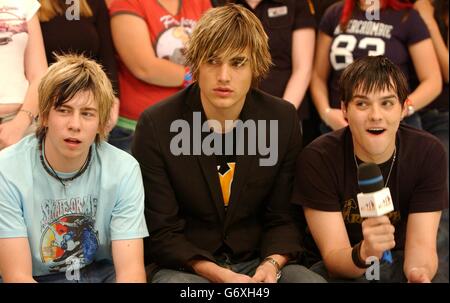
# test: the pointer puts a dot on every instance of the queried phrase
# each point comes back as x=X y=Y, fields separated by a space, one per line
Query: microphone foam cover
x=370 y=178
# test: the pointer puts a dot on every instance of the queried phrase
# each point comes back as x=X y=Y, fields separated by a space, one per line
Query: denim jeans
x=98 y=272
x=413 y=120
x=121 y=138
x=291 y=273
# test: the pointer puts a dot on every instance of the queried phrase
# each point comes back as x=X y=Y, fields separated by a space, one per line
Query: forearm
x=339 y=263
x=135 y=274
x=280 y=259
x=30 y=105
x=31 y=101
x=319 y=93
x=420 y=258
x=440 y=48
x=209 y=270
x=18 y=278
x=297 y=86
x=426 y=91
x=160 y=72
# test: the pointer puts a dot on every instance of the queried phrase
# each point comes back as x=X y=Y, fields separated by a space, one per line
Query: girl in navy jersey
x=353 y=29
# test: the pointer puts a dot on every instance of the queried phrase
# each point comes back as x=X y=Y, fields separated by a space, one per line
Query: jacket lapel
x=244 y=163
x=207 y=164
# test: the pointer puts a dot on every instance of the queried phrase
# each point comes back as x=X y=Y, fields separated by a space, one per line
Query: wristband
x=30 y=115
x=187 y=76
x=356 y=256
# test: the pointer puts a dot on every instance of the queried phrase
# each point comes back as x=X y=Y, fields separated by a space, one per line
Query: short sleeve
x=31 y=9
x=315 y=187
x=12 y=222
x=128 y=221
x=133 y=7
x=206 y=4
x=303 y=15
x=330 y=19
x=417 y=30
x=431 y=191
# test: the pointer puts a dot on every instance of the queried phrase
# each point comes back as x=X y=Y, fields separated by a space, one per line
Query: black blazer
x=184 y=207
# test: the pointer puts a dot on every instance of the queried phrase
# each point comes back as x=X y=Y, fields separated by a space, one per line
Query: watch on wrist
x=275 y=264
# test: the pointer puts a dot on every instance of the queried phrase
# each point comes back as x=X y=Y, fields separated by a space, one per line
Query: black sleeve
x=106 y=55
x=303 y=15
x=316 y=183
x=281 y=234
x=330 y=19
x=431 y=190
x=167 y=246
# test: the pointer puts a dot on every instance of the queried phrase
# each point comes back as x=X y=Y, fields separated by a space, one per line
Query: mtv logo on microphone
x=376 y=203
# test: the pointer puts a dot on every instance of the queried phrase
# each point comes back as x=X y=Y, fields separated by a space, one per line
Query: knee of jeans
x=174 y=276
x=299 y=274
x=119 y=133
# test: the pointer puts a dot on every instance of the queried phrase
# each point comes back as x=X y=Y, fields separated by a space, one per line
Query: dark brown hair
x=372 y=73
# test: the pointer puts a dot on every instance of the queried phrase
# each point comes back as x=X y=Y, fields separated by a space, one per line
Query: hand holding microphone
x=374 y=202
x=378 y=235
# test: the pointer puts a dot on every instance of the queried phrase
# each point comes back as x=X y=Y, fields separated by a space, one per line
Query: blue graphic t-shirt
x=72 y=224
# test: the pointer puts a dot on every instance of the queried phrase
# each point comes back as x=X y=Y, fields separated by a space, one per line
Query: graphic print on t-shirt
x=68 y=232
x=351 y=215
x=12 y=22
x=171 y=42
x=364 y=35
x=226 y=174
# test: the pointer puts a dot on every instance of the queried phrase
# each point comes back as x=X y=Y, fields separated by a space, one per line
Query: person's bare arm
x=132 y=41
x=302 y=61
x=426 y=11
x=421 y=260
x=330 y=234
x=128 y=256
x=218 y=274
x=334 y=118
x=15 y=261
x=428 y=72
x=35 y=67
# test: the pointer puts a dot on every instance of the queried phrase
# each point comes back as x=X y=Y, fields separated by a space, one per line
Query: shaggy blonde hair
x=225 y=31
x=51 y=8
x=69 y=75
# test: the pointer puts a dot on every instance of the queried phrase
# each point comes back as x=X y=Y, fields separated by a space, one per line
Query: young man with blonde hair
x=220 y=212
x=71 y=204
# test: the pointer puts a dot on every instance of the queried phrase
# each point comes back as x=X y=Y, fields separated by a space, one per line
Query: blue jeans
x=413 y=120
x=389 y=273
x=97 y=272
x=291 y=273
x=121 y=138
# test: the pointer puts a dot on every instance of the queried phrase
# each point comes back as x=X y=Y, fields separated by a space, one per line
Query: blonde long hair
x=68 y=76
x=52 y=8
x=225 y=30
